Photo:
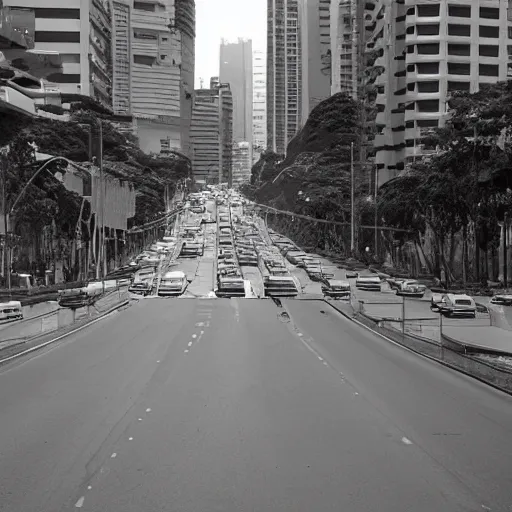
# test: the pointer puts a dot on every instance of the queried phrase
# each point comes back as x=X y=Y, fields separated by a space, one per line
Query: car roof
x=174 y=274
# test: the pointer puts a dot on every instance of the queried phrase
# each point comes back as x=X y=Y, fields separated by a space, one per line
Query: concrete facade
x=212 y=134
x=259 y=103
x=314 y=21
x=427 y=51
x=235 y=69
x=284 y=73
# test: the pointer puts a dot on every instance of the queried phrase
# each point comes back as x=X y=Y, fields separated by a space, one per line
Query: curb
x=62 y=336
x=430 y=358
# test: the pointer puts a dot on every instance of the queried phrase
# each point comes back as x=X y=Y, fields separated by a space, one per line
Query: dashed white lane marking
x=158 y=361
x=130 y=439
x=186 y=351
x=80 y=502
x=406 y=441
x=89 y=487
x=189 y=343
x=202 y=332
x=299 y=334
x=325 y=364
x=356 y=393
x=148 y=410
x=140 y=419
x=113 y=456
x=485 y=508
x=320 y=358
x=194 y=336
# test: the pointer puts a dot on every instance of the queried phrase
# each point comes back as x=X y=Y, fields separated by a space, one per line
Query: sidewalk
x=490 y=333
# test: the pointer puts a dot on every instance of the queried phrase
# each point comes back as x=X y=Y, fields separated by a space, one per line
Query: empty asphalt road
x=230 y=405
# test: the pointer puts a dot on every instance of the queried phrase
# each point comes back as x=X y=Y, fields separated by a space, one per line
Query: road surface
x=229 y=405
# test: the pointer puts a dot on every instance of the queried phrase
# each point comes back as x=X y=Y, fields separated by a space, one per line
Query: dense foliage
x=463 y=190
x=150 y=174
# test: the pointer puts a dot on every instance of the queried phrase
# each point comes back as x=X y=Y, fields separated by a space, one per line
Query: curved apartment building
x=428 y=50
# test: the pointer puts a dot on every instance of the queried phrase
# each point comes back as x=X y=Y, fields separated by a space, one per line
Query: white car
x=370 y=283
x=411 y=288
x=457 y=305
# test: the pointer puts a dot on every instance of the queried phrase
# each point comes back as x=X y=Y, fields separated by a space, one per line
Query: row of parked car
x=316 y=270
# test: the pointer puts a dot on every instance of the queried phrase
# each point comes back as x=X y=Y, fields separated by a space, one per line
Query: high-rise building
x=212 y=133
x=429 y=50
x=314 y=21
x=154 y=70
x=80 y=31
x=284 y=73
x=241 y=163
x=236 y=70
x=259 y=103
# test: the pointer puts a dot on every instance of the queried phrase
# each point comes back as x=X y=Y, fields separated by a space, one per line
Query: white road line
x=406 y=441
x=113 y=456
x=89 y=487
x=189 y=343
x=320 y=358
x=158 y=361
x=194 y=336
x=186 y=351
x=356 y=393
x=325 y=364
x=148 y=410
x=299 y=334
x=80 y=502
x=202 y=332
x=140 y=419
x=130 y=439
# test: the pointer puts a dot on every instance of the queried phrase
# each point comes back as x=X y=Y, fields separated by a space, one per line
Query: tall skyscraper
x=259 y=103
x=212 y=133
x=236 y=70
x=80 y=31
x=314 y=21
x=427 y=51
x=154 y=70
x=284 y=73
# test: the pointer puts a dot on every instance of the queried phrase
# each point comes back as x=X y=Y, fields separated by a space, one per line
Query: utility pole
x=376 y=218
x=7 y=251
x=352 y=206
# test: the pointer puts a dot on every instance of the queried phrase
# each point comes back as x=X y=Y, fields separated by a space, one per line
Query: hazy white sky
x=229 y=19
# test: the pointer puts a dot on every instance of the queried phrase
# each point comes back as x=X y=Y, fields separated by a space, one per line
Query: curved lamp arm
x=42 y=168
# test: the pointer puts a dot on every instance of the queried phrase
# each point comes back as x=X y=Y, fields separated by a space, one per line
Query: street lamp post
x=352 y=205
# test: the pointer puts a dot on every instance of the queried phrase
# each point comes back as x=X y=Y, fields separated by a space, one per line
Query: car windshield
x=174 y=280
x=463 y=302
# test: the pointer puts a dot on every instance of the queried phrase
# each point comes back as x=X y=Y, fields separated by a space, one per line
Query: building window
x=428 y=49
x=61 y=78
x=458 y=86
x=428 y=105
x=409 y=124
x=431 y=86
x=56 y=37
x=490 y=13
x=428 y=30
x=410 y=11
x=427 y=123
x=381 y=107
x=409 y=143
x=489 y=31
x=428 y=68
x=58 y=14
x=144 y=60
x=410 y=48
x=141 y=6
x=459 y=68
x=459 y=49
x=428 y=10
x=487 y=50
x=459 y=11
x=488 y=70
x=411 y=86
x=510 y=32
x=410 y=30
x=147 y=36
x=459 y=30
